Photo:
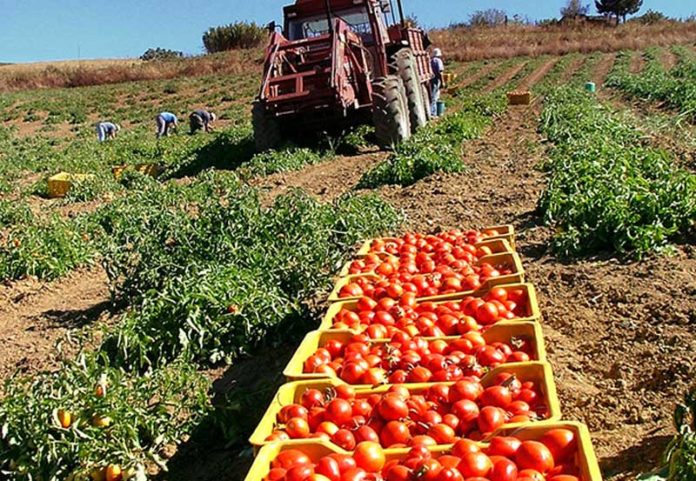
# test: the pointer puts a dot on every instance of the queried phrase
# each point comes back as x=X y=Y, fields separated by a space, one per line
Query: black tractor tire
x=427 y=101
x=390 y=112
x=267 y=133
x=404 y=64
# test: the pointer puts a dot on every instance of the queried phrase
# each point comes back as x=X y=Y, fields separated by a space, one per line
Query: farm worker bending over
x=201 y=120
x=107 y=130
x=165 y=122
x=437 y=83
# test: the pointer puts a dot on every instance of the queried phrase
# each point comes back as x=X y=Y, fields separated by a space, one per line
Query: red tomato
x=392 y=408
x=534 y=455
x=531 y=474
x=369 y=456
x=450 y=474
x=465 y=446
x=563 y=477
x=475 y=465
x=442 y=434
x=398 y=473
x=344 y=439
x=311 y=398
x=497 y=396
x=339 y=411
x=394 y=432
x=355 y=474
x=366 y=433
x=561 y=443
x=299 y=472
x=503 y=470
x=297 y=428
x=345 y=462
x=328 y=467
x=276 y=474
x=490 y=418
x=503 y=446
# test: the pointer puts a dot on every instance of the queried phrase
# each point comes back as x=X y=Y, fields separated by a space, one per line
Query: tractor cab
x=365 y=18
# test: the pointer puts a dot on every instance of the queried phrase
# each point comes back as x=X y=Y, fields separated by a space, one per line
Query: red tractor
x=343 y=62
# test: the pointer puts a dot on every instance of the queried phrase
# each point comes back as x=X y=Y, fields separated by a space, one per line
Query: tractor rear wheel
x=390 y=111
x=404 y=64
x=427 y=102
x=266 y=129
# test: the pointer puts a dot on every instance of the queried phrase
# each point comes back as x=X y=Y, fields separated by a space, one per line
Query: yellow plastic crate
x=60 y=184
x=519 y=98
x=501 y=332
x=153 y=170
x=532 y=312
x=506 y=232
x=506 y=259
x=538 y=372
x=585 y=458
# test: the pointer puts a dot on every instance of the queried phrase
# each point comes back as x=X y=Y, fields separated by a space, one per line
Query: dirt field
x=620 y=335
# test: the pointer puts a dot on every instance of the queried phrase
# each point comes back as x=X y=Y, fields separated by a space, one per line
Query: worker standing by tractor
x=107 y=131
x=438 y=83
x=201 y=120
x=166 y=121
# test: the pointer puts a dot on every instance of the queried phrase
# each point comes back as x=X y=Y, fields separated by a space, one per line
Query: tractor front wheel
x=266 y=129
x=390 y=111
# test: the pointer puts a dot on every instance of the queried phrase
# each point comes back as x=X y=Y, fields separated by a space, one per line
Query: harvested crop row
x=606 y=190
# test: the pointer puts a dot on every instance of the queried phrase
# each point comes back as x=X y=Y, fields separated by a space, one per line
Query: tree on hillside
x=620 y=8
x=491 y=17
x=236 y=35
x=574 y=8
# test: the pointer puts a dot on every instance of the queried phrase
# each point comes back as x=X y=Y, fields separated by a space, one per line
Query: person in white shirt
x=437 y=83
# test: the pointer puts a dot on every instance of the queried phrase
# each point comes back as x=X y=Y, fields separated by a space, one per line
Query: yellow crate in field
x=519 y=98
x=153 y=170
x=539 y=373
x=60 y=184
x=584 y=457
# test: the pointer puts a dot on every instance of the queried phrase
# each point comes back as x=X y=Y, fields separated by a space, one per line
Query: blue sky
x=37 y=30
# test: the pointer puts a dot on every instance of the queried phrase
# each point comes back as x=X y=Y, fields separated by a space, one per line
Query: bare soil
x=603 y=68
x=504 y=78
x=36 y=315
x=637 y=63
x=572 y=68
x=538 y=74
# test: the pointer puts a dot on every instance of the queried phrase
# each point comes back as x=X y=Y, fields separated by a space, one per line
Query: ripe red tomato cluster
x=550 y=458
x=406 y=360
x=431 y=242
x=412 y=259
x=401 y=417
x=443 y=280
x=384 y=318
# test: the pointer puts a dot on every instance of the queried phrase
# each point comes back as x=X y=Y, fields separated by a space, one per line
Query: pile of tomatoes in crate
x=428 y=365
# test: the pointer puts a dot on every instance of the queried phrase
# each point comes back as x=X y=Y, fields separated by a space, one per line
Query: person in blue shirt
x=200 y=120
x=166 y=121
x=107 y=131
x=437 y=83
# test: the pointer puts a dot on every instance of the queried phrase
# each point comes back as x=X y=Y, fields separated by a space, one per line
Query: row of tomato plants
x=401 y=387
x=676 y=88
x=608 y=189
